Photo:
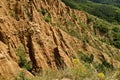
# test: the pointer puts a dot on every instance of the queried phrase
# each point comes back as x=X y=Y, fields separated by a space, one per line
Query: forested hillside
x=110 y=2
x=108 y=12
x=107 y=17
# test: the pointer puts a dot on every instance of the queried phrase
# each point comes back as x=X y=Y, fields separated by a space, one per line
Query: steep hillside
x=36 y=35
x=109 y=25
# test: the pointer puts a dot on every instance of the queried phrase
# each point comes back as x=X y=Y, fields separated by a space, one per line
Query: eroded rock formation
x=45 y=29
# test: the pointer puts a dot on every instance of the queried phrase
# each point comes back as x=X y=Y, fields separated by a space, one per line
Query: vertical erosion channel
x=31 y=53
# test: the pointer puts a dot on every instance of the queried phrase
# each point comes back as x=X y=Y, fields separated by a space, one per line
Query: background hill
x=110 y=2
x=110 y=15
x=107 y=11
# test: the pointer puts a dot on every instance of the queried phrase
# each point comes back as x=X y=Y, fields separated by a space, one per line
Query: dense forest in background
x=110 y=2
x=107 y=18
x=109 y=12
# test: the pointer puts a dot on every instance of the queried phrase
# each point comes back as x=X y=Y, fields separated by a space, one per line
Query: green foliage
x=48 y=18
x=42 y=11
x=49 y=74
x=74 y=16
x=104 y=67
x=46 y=14
x=73 y=30
x=23 y=62
x=110 y=2
x=78 y=73
x=21 y=76
x=106 y=64
x=100 y=24
x=74 y=33
x=116 y=37
x=81 y=72
x=107 y=12
x=111 y=32
x=86 y=58
x=70 y=3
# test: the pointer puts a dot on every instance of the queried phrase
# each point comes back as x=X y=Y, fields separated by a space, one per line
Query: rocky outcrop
x=50 y=34
x=7 y=65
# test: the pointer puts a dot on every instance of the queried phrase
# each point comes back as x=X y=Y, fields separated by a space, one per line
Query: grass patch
x=21 y=76
x=23 y=62
x=48 y=18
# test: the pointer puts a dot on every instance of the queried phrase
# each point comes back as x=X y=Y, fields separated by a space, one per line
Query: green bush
x=86 y=58
x=48 y=18
x=104 y=67
x=23 y=62
x=42 y=11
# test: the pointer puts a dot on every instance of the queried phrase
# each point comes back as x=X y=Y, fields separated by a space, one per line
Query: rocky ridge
x=49 y=33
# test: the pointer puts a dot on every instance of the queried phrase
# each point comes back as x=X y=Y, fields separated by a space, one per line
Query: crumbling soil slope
x=48 y=34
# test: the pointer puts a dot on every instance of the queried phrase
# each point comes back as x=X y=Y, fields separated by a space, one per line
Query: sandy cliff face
x=45 y=30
